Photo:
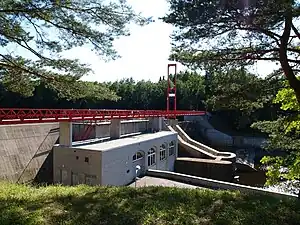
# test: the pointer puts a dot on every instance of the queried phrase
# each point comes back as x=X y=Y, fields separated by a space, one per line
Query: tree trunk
x=288 y=71
x=293 y=81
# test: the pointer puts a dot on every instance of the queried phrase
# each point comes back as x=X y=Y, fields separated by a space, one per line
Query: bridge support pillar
x=65 y=134
x=101 y=130
x=173 y=122
x=156 y=123
x=115 y=129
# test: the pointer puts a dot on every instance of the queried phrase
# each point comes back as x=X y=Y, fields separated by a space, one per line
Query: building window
x=86 y=159
x=171 y=148
x=151 y=157
x=137 y=156
x=162 y=152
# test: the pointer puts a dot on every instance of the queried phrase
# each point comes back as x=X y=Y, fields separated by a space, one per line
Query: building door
x=138 y=159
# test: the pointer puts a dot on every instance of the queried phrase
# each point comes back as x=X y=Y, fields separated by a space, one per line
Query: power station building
x=114 y=162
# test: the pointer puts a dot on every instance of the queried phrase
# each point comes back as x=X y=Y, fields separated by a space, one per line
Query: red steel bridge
x=22 y=116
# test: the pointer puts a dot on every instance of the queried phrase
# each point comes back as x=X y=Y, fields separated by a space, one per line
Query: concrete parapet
x=115 y=129
x=215 y=184
x=156 y=123
x=65 y=134
x=173 y=122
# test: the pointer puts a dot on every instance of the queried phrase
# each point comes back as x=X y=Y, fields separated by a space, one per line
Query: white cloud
x=144 y=54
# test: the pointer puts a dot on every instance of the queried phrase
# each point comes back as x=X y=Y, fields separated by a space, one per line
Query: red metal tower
x=171 y=90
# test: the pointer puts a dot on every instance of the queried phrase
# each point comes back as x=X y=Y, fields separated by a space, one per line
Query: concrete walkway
x=153 y=181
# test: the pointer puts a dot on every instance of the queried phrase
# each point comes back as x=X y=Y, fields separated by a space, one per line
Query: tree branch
x=295 y=31
x=15 y=66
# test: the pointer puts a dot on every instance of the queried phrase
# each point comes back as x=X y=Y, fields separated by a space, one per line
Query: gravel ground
x=153 y=181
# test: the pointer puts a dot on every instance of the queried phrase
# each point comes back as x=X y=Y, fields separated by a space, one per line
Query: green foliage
x=240 y=31
x=152 y=95
x=286 y=97
x=83 y=204
x=82 y=90
x=191 y=89
x=239 y=90
x=231 y=33
x=284 y=133
x=43 y=29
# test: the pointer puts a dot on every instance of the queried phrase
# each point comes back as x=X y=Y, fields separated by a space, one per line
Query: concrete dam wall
x=26 y=149
x=25 y=152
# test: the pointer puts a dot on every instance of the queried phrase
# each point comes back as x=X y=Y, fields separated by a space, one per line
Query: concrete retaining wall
x=214 y=184
x=24 y=151
x=213 y=169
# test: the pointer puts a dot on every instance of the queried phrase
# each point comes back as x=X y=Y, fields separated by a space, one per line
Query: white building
x=114 y=162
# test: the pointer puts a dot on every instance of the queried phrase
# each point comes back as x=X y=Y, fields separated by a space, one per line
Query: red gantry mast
x=171 y=90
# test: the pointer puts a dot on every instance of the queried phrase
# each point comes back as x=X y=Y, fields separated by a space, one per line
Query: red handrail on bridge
x=22 y=116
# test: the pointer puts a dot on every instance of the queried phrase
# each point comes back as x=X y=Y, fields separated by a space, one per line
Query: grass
x=21 y=204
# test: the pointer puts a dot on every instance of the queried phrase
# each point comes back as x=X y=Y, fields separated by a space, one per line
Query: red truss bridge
x=23 y=116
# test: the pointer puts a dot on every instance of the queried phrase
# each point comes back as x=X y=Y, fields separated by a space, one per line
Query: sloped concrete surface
x=24 y=148
x=198 y=149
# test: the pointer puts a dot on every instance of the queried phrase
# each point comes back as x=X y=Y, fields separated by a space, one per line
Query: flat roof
x=107 y=145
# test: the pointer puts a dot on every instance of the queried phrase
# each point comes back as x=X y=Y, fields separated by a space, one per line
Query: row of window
x=162 y=153
x=152 y=154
